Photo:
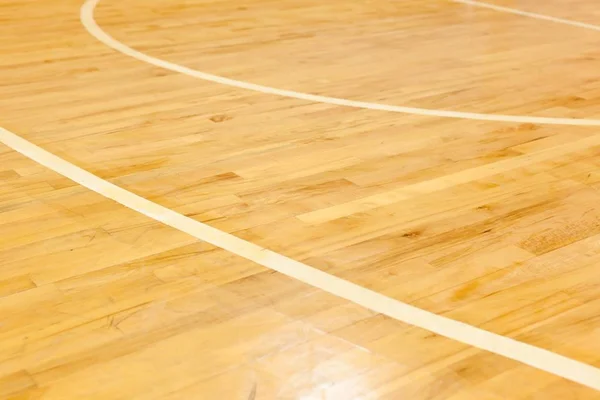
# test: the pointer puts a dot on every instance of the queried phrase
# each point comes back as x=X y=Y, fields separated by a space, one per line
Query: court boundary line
x=473 y=336
x=529 y=14
x=90 y=24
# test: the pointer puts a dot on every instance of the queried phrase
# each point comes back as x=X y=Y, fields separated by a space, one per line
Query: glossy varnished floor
x=495 y=224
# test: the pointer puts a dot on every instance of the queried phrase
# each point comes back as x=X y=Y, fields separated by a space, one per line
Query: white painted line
x=527 y=354
x=529 y=14
x=87 y=19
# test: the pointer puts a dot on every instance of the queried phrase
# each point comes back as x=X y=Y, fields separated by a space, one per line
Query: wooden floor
x=494 y=224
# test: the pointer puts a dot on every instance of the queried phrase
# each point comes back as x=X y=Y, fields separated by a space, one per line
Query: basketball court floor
x=299 y=199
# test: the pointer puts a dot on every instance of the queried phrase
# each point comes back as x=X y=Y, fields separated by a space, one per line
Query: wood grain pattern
x=494 y=224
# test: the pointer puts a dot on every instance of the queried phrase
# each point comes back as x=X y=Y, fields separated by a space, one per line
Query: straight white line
x=527 y=354
x=87 y=19
x=529 y=14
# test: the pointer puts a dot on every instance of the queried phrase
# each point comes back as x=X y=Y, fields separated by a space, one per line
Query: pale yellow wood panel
x=494 y=224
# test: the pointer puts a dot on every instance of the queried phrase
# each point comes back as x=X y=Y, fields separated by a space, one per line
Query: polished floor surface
x=440 y=153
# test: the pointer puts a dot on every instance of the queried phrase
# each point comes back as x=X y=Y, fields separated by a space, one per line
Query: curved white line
x=89 y=23
x=525 y=353
x=529 y=14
